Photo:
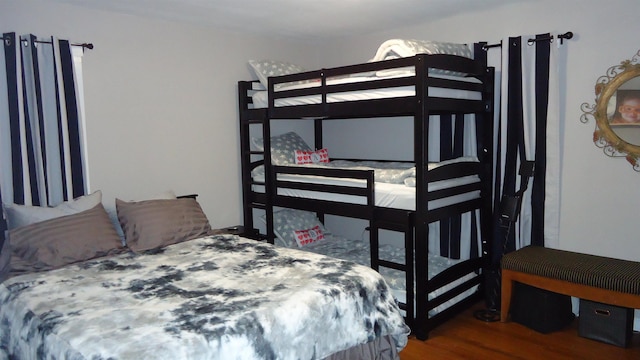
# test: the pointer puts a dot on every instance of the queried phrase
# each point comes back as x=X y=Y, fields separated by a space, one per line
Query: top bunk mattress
x=261 y=100
x=450 y=71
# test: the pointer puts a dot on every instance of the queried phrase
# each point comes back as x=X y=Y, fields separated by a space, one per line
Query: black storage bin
x=541 y=310
x=607 y=323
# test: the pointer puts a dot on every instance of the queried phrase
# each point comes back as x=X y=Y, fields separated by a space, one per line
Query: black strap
x=10 y=54
x=73 y=120
x=538 y=191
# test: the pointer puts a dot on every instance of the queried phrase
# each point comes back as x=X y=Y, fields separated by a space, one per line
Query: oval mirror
x=617 y=111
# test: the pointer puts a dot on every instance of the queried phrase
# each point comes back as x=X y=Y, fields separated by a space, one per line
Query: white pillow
x=22 y=215
x=308 y=236
x=267 y=68
x=287 y=221
x=311 y=157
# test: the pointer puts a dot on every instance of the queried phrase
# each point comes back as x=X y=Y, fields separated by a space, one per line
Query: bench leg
x=505 y=295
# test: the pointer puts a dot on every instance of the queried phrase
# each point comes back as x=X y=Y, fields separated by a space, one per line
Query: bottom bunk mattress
x=209 y=298
x=358 y=250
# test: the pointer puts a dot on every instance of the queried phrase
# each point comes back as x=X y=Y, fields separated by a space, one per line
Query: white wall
x=600 y=196
x=161 y=100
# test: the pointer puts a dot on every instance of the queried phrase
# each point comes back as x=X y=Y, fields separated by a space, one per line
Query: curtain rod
x=84 y=45
x=568 y=35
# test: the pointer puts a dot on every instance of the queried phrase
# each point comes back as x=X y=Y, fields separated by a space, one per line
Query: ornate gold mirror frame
x=617 y=111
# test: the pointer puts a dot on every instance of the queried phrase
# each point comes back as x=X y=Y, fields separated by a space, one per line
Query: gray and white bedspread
x=218 y=297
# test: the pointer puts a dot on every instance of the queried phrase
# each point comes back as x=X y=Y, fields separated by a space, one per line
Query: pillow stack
x=46 y=238
x=289 y=148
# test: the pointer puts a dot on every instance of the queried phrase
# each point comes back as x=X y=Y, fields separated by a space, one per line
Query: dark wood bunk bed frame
x=414 y=224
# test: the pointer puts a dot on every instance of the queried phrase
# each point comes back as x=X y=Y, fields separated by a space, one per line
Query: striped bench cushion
x=597 y=271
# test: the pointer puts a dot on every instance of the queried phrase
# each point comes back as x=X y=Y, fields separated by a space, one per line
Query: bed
x=180 y=291
x=448 y=91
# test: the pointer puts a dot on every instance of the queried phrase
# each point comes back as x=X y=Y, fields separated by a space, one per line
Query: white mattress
x=260 y=98
x=396 y=196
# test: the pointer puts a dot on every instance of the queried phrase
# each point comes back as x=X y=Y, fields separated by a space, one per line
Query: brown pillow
x=5 y=258
x=54 y=243
x=22 y=215
x=152 y=224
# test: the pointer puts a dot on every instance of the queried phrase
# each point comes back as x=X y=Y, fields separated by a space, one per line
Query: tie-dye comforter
x=218 y=297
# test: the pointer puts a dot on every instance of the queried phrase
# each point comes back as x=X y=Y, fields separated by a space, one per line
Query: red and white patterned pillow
x=311 y=157
x=308 y=236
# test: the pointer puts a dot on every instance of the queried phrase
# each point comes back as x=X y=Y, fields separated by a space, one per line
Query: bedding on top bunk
x=396 y=48
x=182 y=294
x=260 y=98
x=390 y=49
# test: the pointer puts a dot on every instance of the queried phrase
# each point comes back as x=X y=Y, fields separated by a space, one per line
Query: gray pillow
x=168 y=194
x=153 y=224
x=265 y=69
x=22 y=215
x=5 y=257
x=283 y=147
x=64 y=240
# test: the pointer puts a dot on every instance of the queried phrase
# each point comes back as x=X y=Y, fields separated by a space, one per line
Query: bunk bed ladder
x=405 y=226
x=250 y=201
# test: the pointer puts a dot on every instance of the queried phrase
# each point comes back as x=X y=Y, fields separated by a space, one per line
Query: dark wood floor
x=466 y=337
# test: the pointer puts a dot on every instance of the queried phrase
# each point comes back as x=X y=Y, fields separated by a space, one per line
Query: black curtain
x=521 y=137
x=513 y=147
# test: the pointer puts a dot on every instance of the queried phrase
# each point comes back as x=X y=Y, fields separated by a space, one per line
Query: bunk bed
x=454 y=91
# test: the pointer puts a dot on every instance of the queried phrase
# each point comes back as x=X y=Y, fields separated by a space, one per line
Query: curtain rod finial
x=568 y=35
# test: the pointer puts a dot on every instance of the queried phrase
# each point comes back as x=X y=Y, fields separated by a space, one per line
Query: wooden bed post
x=421 y=146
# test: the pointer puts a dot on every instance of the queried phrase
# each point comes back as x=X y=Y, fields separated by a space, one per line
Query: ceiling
x=295 y=18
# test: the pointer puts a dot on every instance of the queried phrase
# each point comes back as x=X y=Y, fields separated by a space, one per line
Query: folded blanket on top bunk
x=396 y=48
x=390 y=49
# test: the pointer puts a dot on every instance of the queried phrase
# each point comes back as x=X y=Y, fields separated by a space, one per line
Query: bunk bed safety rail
x=246 y=90
x=310 y=92
x=467 y=276
x=297 y=190
x=454 y=170
x=464 y=193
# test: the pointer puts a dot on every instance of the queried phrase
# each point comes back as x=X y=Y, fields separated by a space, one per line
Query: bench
x=590 y=277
